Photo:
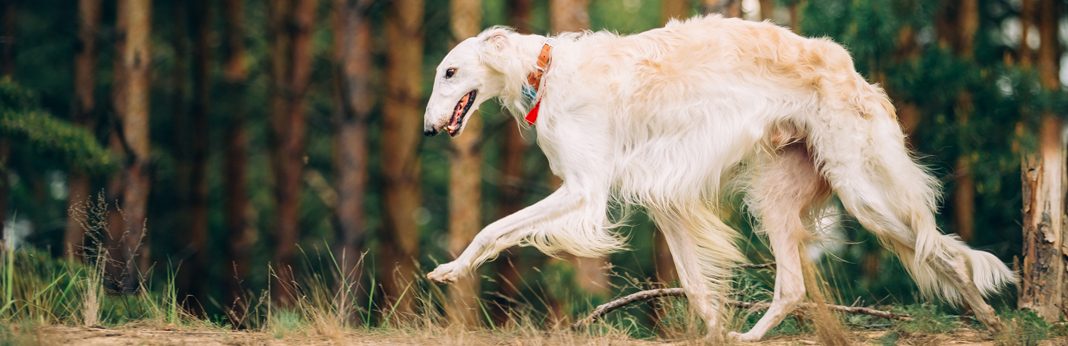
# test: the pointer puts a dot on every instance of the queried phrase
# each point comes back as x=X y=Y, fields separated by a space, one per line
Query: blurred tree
x=355 y=99
x=84 y=115
x=7 y=69
x=1044 y=288
x=795 y=15
x=291 y=25
x=194 y=136
x=674 y=9
x=236 y=190
x=403 y=110
x=8 y=23
x=465 y=180
x=959 y=22
x=727 y=8
x=130 y=140
x=569 y=15
x=767 y=9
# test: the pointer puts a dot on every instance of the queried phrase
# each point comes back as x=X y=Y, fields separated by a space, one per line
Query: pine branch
x=641 y=296
x=43 y=133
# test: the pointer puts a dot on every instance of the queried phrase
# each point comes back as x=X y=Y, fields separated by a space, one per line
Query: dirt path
x=70 y=336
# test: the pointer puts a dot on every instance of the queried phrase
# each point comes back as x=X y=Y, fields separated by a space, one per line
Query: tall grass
x=335 y=301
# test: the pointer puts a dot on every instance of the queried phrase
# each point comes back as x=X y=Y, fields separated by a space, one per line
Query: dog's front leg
x=507 y=232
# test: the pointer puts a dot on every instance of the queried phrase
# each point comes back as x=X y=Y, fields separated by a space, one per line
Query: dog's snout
x=430 y=132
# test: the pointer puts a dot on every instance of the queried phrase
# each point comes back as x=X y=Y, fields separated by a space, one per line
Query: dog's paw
x=447 y=273
x=746 y=337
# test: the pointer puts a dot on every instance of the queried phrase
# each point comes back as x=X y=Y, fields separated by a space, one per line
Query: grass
x=39 y=292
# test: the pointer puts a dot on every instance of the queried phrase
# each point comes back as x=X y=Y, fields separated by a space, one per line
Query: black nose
x=430 y=132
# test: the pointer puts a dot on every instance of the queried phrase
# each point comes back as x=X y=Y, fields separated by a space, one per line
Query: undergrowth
x=331 y=302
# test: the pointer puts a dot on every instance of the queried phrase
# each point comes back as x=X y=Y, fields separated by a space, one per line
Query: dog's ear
x=495 y=47
x=495 y=38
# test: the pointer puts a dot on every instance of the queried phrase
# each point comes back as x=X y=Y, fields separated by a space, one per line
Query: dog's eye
x=450 y=72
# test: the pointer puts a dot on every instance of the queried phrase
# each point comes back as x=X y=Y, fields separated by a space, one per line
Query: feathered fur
x=669 y=119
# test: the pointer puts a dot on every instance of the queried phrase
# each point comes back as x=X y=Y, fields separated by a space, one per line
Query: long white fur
x=672 y=118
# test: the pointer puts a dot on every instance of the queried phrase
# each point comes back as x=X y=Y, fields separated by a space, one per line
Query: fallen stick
x=641 y=296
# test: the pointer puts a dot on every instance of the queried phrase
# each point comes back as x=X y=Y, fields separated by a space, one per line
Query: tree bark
x=674 y=9
x=1043 y=288
x=241 y=235
x=465 y=181
x=83 y=114
x=7 y=69
x=767 y=10
x=569 y=15
x=908 y=114
x=291 y=29
x=195 y=138
x=964 y=193
x=8 y=23
x=400 y=160
x=355 y=97
x=131 y=103
x=1023 y=51
x=795 y=15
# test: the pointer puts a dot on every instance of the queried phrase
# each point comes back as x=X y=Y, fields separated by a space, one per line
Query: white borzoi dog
x=673 y=118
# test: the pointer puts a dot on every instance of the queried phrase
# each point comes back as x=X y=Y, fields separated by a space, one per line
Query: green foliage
x=926 y=318
x=41 y=133
x=1023 y=327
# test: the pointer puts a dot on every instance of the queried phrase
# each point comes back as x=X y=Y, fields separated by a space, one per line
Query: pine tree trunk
x=291 y=29
x=1023 y=52
x=795 y=15
x=569 y=15
x=465 y=181
x=8 y=22
x=767 y=10
x=1044 y=289
x=674 y=9
x=964 y=193
x=83 y=114
x=908 y=51
x=355 y=97
x=403 y=112
x=7 y=69
x=192 y=134
x=241 y=235
x=131 y=103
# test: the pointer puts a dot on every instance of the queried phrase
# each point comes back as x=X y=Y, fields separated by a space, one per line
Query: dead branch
x=641 y=296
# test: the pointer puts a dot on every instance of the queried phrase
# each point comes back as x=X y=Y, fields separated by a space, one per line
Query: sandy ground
x=207 y=337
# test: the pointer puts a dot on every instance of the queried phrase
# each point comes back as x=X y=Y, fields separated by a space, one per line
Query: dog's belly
x=686 y=166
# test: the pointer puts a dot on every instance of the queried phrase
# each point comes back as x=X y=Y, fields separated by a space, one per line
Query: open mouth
x=459 y=113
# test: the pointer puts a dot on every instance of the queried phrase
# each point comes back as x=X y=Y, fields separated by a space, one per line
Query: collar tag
x=532 y=116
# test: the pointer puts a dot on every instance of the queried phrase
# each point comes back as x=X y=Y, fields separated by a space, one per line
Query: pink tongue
x=459 y=110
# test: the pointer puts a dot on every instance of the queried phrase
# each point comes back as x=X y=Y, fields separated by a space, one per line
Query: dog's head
x=469 y=75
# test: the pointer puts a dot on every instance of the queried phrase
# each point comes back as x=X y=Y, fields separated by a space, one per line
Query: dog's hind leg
x=785 y=192
x=869 y=168
x=703 y=250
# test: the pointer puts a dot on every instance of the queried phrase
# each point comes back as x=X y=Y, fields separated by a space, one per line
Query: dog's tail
x=861 y=151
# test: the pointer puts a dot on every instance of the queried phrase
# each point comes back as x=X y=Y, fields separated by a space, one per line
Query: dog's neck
x=527 y=48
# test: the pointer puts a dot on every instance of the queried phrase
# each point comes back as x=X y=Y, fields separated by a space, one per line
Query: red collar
x=545 y=58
